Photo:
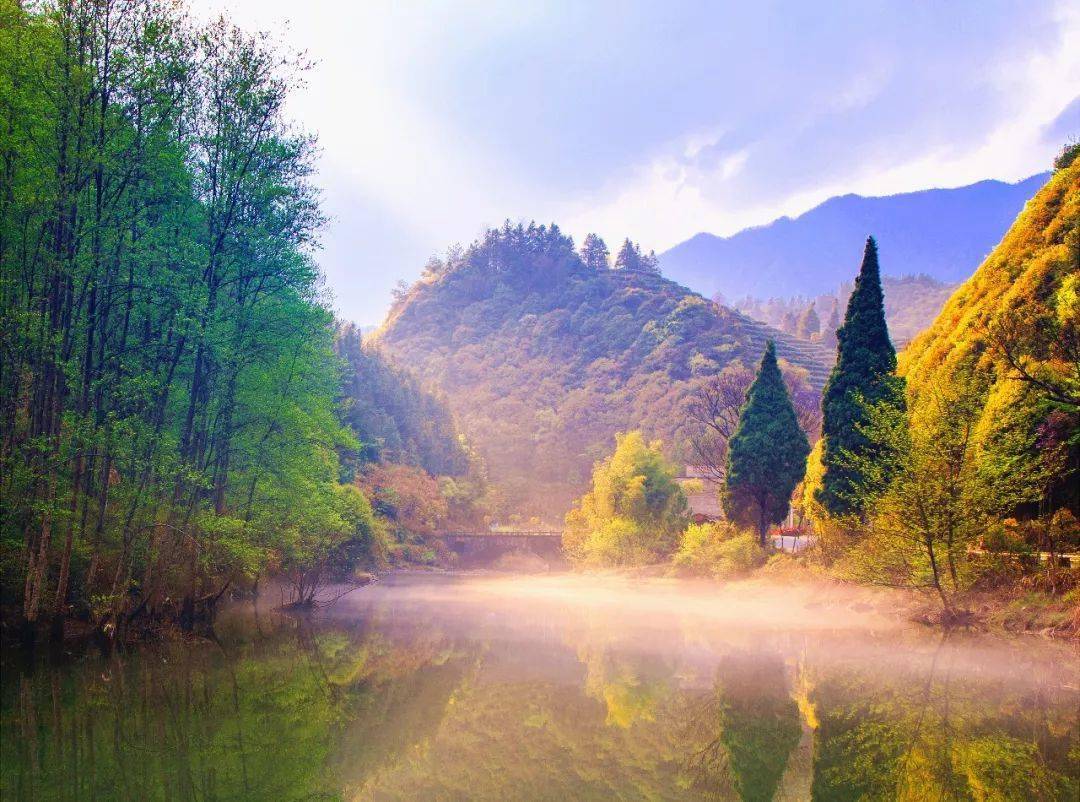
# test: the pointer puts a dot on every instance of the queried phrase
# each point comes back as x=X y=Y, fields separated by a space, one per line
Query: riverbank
x=1013 y=608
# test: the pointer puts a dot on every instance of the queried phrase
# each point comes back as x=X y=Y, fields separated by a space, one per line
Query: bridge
x=486 y=546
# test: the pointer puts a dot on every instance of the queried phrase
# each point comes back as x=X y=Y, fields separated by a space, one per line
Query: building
x=702 y=491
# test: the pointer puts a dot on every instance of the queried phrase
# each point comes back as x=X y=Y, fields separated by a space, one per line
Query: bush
x=634 y=512
x=718 y=550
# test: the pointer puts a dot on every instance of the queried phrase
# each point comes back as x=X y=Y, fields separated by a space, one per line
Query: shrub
x=718 y=550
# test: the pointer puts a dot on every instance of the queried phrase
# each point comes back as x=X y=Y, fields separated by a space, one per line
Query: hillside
x=942 y=233
x=911 y=304
x=393 y=417
x=543 y=359
x=1010 y=338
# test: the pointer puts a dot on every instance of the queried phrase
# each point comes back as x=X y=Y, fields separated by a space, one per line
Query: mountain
x=1008 y=343
x=942 y=233
x=543 y=359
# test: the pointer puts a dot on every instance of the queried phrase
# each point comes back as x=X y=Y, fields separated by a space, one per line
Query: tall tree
x=863 y=376
x=167 y=385
x=594 y=252
x=767 y=453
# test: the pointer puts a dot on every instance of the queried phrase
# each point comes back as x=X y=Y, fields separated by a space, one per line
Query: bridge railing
x=497 y=534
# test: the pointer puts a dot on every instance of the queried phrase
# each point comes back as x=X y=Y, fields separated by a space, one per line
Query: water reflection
x=470 y=688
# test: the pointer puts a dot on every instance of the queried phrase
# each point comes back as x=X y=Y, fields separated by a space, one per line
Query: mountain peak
x=942 y=233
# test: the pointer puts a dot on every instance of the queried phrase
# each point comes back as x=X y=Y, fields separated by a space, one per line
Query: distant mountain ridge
x=942 y=233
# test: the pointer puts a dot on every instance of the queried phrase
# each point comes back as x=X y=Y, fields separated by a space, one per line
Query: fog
x=695 y=622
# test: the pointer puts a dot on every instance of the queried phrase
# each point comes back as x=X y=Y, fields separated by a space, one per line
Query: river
x=556 y=687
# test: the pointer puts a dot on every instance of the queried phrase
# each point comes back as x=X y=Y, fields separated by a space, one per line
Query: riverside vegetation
x=953 y=470
x=182 y=416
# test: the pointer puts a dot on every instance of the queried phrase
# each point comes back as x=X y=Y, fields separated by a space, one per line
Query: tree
x=767 y=455
x=809 y=324
x=594 y=253
x=167 y=385
x=862 y=376
x=634 y=512
x=926 y=494
x=714 y=410
x=630 y=257
x=832 y=323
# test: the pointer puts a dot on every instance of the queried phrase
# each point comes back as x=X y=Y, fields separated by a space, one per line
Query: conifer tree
x=809 y=323
x=629 y=256
x=832 y=323
x=862 y=376
x=767 y=453
x=594 y=252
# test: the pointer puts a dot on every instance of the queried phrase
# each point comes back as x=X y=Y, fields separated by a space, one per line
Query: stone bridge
x=480 y=547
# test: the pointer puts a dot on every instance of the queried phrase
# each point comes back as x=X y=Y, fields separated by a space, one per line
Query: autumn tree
x=634 y=512
x=767 y=453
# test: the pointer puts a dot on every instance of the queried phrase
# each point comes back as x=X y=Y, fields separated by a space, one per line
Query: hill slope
x=1014 y=328
x=543 y=359
x=944 y=233
x=911 y=304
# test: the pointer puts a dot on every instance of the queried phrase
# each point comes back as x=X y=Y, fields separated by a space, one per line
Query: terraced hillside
x=543 y=359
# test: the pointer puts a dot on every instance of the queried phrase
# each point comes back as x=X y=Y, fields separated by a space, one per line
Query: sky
x=651 y=120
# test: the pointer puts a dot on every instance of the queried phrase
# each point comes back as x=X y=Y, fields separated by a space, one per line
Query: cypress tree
x=863 y=375
x=809 y=323
x=767 y=453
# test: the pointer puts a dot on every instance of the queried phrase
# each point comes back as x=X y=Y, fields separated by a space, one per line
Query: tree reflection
x=757 y=727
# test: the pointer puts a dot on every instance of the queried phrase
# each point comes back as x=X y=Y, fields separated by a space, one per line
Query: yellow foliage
x=1023 y=302
x=634 y=512
x=718 y=550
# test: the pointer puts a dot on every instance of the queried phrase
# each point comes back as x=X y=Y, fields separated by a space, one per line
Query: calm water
x=563 y=688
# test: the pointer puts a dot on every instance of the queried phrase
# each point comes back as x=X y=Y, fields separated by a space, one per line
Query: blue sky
x=653 y=120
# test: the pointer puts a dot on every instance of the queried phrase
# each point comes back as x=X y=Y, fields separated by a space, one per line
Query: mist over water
x=486 y=686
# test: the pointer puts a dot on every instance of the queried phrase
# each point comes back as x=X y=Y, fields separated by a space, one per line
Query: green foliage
x=167 y=391
x=394 y=418
x=717 y=550
x=935 y=503
x=634 y=512
x=863 y=373
x=766 y=454
x=543 y=359
x=760 y=724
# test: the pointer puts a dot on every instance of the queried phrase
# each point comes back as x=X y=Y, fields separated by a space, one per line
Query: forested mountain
x=942 y=233
x=394 y=418
x=543 y=359
x=1008 y=344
